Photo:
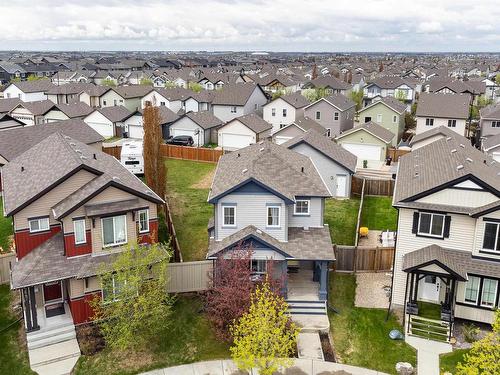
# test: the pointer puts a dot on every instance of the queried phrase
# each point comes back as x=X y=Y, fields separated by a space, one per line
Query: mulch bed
x=90 y=339
x=326 y=345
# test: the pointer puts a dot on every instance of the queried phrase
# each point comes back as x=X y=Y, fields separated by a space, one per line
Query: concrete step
x=51 y=340
x=62 y=367
x=54 y=353
x=40 y=335
x=305 y=307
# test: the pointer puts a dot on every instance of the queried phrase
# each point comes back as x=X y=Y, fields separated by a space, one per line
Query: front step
x=299 y=307
x=54 y=353
x=41 y=336
x=51 y=340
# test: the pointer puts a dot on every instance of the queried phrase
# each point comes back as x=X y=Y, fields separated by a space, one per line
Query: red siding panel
x=26 y=241
x=152 y=235
x=80 y=308
x=74 y=250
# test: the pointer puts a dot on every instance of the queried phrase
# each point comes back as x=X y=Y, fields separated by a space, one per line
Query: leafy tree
x=15 y=79
x=265 y=337
x=170 y=85
x=108 y=82
x=135 y=302
x=314 y=94
x=482 y=101
x=34 y=77
x=195 y=86
x=154 y=165
x=484 y=356
x=410 y=121
x=497 y=79
x=357 y=97
x=146 y=82
x=401 y=96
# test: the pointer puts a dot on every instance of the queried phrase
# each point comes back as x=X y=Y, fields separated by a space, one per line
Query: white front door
x=429 y=288
x=341 y=186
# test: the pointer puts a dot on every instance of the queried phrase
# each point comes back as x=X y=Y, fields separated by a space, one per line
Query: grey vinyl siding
x=327 y=111
x=487 y=130
x=326 y=167
x=314 y=219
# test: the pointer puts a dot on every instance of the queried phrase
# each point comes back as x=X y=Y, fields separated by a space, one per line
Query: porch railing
x=432 y=329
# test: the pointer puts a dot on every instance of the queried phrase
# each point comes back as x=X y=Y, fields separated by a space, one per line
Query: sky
x=257 y=25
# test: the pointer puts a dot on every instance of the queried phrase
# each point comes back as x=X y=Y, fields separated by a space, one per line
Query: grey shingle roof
x=389 y=101
x=205 y=119
x=443 y=105
x=372 y=128
x=296 y=100
x=40 y=85
x=8 y=104
x=133 y=91
x=311 y=244
x=440 y=130
x=307 y=123
x=16 y=141
x=77 y=109
x=234 y=94
x=115 y=113
x=255 y=123
x=284 y=171
x=491 y=112
x=491 y=142
x=340 y=101
x=326 y=146
x=39 y=107
x=330 y=81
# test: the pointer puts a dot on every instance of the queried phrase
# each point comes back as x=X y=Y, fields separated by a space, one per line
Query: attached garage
x=108 y=121
x=243 y=131
x=364 y=151
x=201 y=126
x=236 y=141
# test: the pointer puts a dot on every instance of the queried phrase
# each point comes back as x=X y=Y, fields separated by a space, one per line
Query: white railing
x=431 y=329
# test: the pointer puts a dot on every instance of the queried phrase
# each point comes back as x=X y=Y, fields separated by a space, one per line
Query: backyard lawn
x=13 y=358
x=5 y=229
x=378 y=214
x=448 y=362
x=188 y=339
x=188 y=183
x=341 y=217
x=360 y=335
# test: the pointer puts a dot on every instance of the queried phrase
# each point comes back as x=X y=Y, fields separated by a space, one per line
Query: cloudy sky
x=279 y=25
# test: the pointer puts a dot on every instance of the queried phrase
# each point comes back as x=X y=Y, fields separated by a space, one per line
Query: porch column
x=284 y=275
x=323 y=280
x=29 y=309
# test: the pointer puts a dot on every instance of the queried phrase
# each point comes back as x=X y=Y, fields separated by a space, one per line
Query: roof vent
x=66 y=137
x=469 y=160
x=95 y=157
x=454 y=150
x=244 y=170
x=261 y=142
x=462 y=145
x=22 y=168
x=83 y=157
x=259 y=231
x=78 y=151
x=416 y=174
x=302 y=169
x=448 y=138
x=459 y=167
x=261 y=149
x=116 y=178
x=72 y=144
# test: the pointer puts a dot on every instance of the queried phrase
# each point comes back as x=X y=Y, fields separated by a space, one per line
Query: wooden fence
x=189 y=276
x=208 y=155
x=171 y=232
x=363 y=259
x=5 y=260
x=372 y=187
x=395 y=154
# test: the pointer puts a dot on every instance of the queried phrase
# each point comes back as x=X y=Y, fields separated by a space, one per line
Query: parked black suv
x=181 y=140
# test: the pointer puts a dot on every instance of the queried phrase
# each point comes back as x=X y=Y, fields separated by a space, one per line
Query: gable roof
x=337 y=100
x=9 y=122
x=444 y=131
x=114 y=113
x=374 y=129
x=329 y=81
x=37 y=108
x=491 y=142
x=443 y=105
x=326 y=146
x=296 y=100
x=491 y=112
x=132 y=91
x=204 y=119
x=39 y=85
x=77 y=109
x=253 y=122
x=235 y=94
x=388 y=82
x=306 y=123
x=390 y=102
x=6 y=105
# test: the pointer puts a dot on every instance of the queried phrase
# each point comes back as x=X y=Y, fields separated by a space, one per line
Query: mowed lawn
x=189 y=338
x=13 y=358
x=448 y=362
x=188 y=183
x=5 y=229
x=378 y=214
x=360 y=335
x=341 y=216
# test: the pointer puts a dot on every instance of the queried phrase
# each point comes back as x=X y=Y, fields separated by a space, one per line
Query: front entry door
x=341 y=186
x=429 y=287
x=52 y=292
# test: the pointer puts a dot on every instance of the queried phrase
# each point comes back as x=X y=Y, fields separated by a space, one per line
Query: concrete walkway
x=300 y=367
x=309 y=346
x=428 y=352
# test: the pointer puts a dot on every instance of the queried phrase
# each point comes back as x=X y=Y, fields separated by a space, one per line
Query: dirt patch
x=372 y=290
x=205 y=182
x=90 y=339
x=326 y=345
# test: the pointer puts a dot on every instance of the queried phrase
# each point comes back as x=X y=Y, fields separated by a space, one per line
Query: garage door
x=174 y=132
x=235 y=141
x=104 y=129
x=136 y=131
x=363 y=152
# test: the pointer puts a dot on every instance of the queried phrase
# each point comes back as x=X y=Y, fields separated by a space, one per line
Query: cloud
x=429 y=27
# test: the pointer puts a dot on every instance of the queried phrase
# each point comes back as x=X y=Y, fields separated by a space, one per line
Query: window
x=379 y=118
x=162 y=103
x=258 y=266
x=495 y=124
x=284 y=112
x=429 y=122
x=114 y=230
x=229 y=219
x=491 y=239
x=273 y=112
x=472 y=289
x=328 y=132
x=39 y=224
x=79 y=228
x=143 y=221
x=452 y=123
x=335 y=116
x=489 y=292
x=318 y=115
x=233 y=109
x=431 y=224
x=395 y=119
x=282 y=126
x=104 y=102
x=273 y=216
x=111 y=290
x=301 y=207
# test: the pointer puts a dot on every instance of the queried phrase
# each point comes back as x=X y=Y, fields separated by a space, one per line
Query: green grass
x=5 y=228
x=341 y=216
x=429 y=310
x=188 y=183
x=378 y=214
x=188 y=339
x=360 y=335
x=13 y=358
x=448 y=362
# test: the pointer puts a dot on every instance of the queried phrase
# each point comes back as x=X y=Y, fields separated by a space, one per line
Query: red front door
x=52 y=291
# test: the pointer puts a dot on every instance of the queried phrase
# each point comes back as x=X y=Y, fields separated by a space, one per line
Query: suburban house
x=6 y=105
x=108 y=121
x=28 y=91
x=128 y=96
x=490 y=120
x=68 y=93
x=491 y=146
x=31 y=113
x=450 y=86
x=178 y=99
x=435 y=110
x=388 y=86
x=334 y=164
x=369 y=142
x=335 y=113
x=243 y=131
x=330 y=84
x=68 y=220
x=237 y=99
x=448 y=242
x=434 y=134
x=296 y=128
x=284 y=110
x=134 y=123
x=59 y=112
x=388 y=113
x=9 y=122
x=201 y=126
x=10 y=70
x=271 y=200
x=91 y=95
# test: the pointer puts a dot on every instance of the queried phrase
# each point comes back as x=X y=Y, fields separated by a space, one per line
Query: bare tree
x=154 y=165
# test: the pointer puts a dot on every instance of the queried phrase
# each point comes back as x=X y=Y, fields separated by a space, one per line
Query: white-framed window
x=79 y=230
x=489 y=292
x=318 y=115
x=144 y=221
x=301 y=207
x=336 y=116
x=395 y=119
x=472 y=290
x=258 y=266
x=114 y=230
x=229 y=216
x=284 y=112
x=273 y=216
x=111 y=290
x=379 y=118
x=495 y=124
x=452 y=123
x=491 y=238
x=328 y=132
x=39 y=224
x=429 y=122
x=273 y=112
x=233 y=109
x=162 y=103
x=431 y=224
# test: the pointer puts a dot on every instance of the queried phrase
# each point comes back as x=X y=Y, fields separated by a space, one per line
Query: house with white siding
x=28 y=91
x=448 y=240
x=238 y=99
x=284 y=110
x=108 y=121
x=201 y=126
x=243 y=131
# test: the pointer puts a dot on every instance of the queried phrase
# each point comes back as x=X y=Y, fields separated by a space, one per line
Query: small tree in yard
x=264 y=337
x=195 y=87
x=484 y=356
x=357 y=97
x=135 y=302
x=154 y=165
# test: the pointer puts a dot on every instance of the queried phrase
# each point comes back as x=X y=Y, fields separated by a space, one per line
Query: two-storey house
x=448 y=241
x=489 y=126
x=238 y=99
x=284 y=110
x=389 y=86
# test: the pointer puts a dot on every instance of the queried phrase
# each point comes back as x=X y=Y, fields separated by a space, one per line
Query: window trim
x=474 y=303
x=75 y=221
x=114 y=244
x=336 y=116
x=394 y=119
x=267 y=216
x=318 y=115
x=258 y=272
x=284 y=113
x=430 y=225
x=429 y=121
x=497 y=240
x=453 y=123
x=145 y=210
x=493 y=305
x=224 y=225
x=273 y=112
x=308 y=213
x=38 y=219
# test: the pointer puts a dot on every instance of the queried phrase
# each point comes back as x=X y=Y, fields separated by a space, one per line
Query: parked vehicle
x=181 y=140
x=132 y=157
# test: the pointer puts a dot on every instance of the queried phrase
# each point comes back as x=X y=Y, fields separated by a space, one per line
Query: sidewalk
x=227 y=367
x=428 y=352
